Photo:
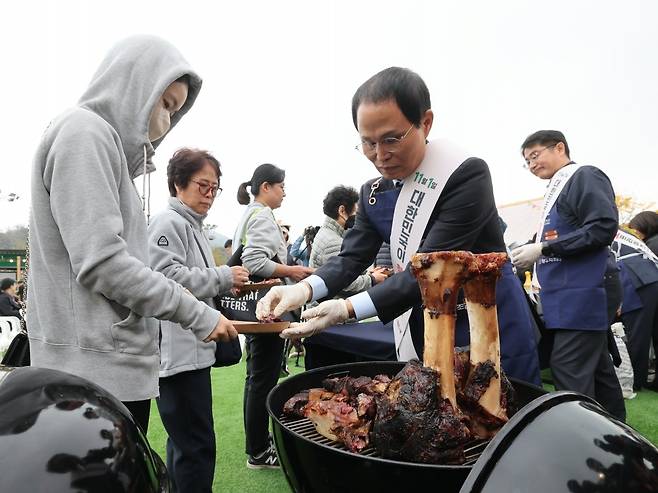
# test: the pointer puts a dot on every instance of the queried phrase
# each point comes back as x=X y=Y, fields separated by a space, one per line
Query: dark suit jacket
x=640 y=270
x=464 y=218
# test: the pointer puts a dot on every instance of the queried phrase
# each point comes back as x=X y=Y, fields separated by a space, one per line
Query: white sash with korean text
x=418 y=197
x=624 y=238
x=555 y=187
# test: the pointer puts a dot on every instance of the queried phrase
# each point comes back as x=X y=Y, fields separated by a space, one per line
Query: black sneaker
x=265 y=460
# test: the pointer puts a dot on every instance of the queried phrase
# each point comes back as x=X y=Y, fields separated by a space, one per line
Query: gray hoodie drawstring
x=146 y=199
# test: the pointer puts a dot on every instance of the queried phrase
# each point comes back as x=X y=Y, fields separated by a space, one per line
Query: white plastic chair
x=9 y=327
x=5 y=334
x=14 y=322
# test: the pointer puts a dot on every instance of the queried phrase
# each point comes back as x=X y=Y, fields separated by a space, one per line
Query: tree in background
x=629 y=206
x=14 y=238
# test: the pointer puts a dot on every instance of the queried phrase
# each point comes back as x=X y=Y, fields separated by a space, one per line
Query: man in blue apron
x=579 y=221
x=639 y=311
x=431 y=196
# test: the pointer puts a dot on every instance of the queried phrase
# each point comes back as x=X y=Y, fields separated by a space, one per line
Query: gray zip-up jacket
x=326 y=244
x=91 y=292
x=176 y=238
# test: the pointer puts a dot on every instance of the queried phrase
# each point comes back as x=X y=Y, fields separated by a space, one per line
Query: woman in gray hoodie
x=91 y=292
x=179 y=248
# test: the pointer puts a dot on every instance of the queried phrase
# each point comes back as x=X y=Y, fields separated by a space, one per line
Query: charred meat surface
x=294 y=407
x=462 y=369
x=414 y=424
x=353 y=386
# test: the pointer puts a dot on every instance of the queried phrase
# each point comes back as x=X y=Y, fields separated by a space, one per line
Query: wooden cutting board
x=258 y=327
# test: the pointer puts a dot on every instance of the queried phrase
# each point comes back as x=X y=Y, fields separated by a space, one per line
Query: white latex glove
x=318 y=318
x=526 y=255
x=282 y=299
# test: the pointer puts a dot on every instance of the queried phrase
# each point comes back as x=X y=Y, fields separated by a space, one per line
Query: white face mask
x=170 y=102
x=159 y=123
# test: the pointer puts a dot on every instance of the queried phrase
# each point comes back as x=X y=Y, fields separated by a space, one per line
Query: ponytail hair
x=265 y=173
x=243 y=195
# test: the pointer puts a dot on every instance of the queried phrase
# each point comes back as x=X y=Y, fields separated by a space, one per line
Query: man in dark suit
x=392 y=113
x=580 y=289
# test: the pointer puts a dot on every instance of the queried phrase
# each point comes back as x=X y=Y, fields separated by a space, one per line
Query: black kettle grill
x=563 y=441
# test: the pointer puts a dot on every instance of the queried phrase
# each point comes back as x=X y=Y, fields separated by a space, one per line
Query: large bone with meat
x=440 y=276
x=484 y=382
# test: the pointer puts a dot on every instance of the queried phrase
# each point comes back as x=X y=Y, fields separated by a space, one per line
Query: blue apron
x=572 y=292
x=518 y=342
x=631 y=300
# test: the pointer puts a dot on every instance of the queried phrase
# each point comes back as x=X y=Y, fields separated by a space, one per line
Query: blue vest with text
x=572 y=292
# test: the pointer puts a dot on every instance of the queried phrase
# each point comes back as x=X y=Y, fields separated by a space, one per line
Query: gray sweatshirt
x=91 y=292
x=262 y=238
x=175 y=236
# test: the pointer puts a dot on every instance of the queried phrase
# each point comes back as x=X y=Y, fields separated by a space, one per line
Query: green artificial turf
x=231 y=473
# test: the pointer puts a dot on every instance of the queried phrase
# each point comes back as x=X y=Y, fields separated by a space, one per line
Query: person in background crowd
x=339 y=207
x=574 y=267
x=454 y=211
x=179 y=249
x=646 y=224
x=639 y=310
x=21 y=291
x=228 y=246
x=263 y=254
x=383 y=258
x=285 y=229
x=9 y=306
x=93 y=299
x=301 y=248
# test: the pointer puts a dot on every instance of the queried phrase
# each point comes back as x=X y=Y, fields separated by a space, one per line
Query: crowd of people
x=139 y=306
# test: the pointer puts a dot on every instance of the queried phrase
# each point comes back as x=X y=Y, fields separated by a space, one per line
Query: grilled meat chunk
x=414 y=423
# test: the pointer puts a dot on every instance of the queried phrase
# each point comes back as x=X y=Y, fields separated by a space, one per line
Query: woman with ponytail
x=262 y=249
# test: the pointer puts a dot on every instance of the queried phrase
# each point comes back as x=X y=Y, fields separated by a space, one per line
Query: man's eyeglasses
x=388 y=144
x=204 y=188
x=534 y=155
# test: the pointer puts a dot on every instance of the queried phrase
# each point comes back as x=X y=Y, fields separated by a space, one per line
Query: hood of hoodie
x=125 y=88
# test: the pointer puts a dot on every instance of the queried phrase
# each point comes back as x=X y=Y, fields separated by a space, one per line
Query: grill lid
x=565 y=441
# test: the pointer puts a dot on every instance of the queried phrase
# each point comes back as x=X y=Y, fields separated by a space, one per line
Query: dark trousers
x=580 y=361
x=641 y=326
x=264 y=355
x=141 y=411
x=614 y=295
x=185 y=406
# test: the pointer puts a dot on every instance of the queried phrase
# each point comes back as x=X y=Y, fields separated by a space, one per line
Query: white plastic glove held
x=318 y=318
x=526 y=255
x=281 y=299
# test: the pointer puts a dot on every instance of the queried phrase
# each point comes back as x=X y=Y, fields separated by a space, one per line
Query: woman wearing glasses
x=431 y=196
x=262 y=249
x=179 y=249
